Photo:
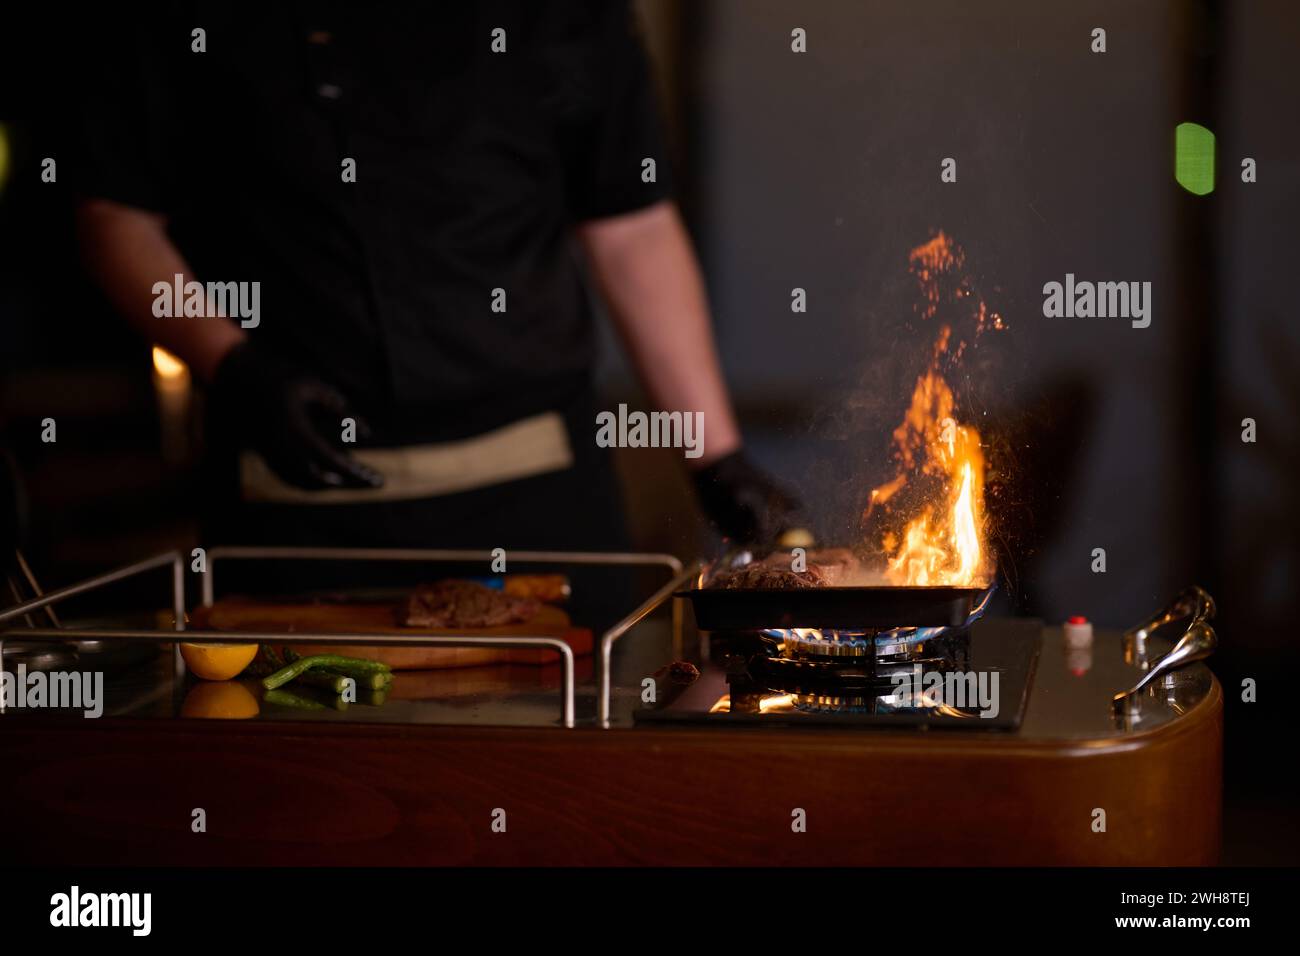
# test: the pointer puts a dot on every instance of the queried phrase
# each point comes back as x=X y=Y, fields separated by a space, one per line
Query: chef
x=417 y=201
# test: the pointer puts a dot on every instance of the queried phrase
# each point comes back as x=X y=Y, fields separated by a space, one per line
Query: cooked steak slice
x=454 y=603
x=825 y=568
x=683 y=672
x=765 y=576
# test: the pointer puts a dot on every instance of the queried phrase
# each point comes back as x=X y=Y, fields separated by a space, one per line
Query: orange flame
x=932 y=510
x=944 y=543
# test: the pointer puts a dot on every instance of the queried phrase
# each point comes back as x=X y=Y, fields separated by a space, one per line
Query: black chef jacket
x=471 y=168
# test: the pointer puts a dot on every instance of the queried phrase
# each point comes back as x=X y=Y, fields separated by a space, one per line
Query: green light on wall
x=1194 y=158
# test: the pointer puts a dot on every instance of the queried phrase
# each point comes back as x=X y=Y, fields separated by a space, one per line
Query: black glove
x=744 y=502
x=283 y=414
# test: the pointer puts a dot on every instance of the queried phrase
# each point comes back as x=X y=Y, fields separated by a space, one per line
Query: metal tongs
x=14 y=569
x=1193 y=606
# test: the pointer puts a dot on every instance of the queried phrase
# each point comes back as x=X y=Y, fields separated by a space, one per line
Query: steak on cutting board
x=455 y=603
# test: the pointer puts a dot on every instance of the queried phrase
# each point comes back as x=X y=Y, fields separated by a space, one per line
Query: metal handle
x=665 y=593
x=169 y=558
x=1193 y=604
x=1199 y=641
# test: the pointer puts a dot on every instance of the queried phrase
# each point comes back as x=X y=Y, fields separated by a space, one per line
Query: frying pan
x=841 y=608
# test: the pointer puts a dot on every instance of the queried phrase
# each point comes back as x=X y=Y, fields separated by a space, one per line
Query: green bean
x=356 y=665
x=304 y=664
x=374 y=680
x=335 y=683
x=286 y=674
x=286 y=699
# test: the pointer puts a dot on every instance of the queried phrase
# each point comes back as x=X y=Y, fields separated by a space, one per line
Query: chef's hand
x=284 y=415
x=743 y=502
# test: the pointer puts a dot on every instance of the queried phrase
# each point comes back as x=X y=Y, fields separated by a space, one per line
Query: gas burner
x=749 y=697
x=864 y=647
x=857 y=648
x=845 y=659
x=771 y=683
x=841 y=703
x=749 y=677
x=821 y=645
x=840 y=672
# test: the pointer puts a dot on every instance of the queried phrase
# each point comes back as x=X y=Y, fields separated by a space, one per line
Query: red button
x=1077 y=619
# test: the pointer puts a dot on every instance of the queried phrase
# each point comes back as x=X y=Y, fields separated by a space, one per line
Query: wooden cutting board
x=243 y=614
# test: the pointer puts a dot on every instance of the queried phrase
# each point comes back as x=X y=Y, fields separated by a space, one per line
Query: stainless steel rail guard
x=439 y=555
x=47 y=601
x=389 y=640
x=256 y=553
x=622 y=627
x=423 y=554
x=90 y=584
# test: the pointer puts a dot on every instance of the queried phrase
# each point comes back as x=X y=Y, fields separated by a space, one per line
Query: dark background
x=821 y=171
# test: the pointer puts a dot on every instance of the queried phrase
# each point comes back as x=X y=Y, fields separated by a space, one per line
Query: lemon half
x=218 y=661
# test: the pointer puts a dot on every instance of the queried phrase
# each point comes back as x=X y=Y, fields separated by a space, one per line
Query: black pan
x=847 y=609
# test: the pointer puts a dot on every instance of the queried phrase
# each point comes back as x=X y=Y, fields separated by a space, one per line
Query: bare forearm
x=648 y=274
x=128 y=250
